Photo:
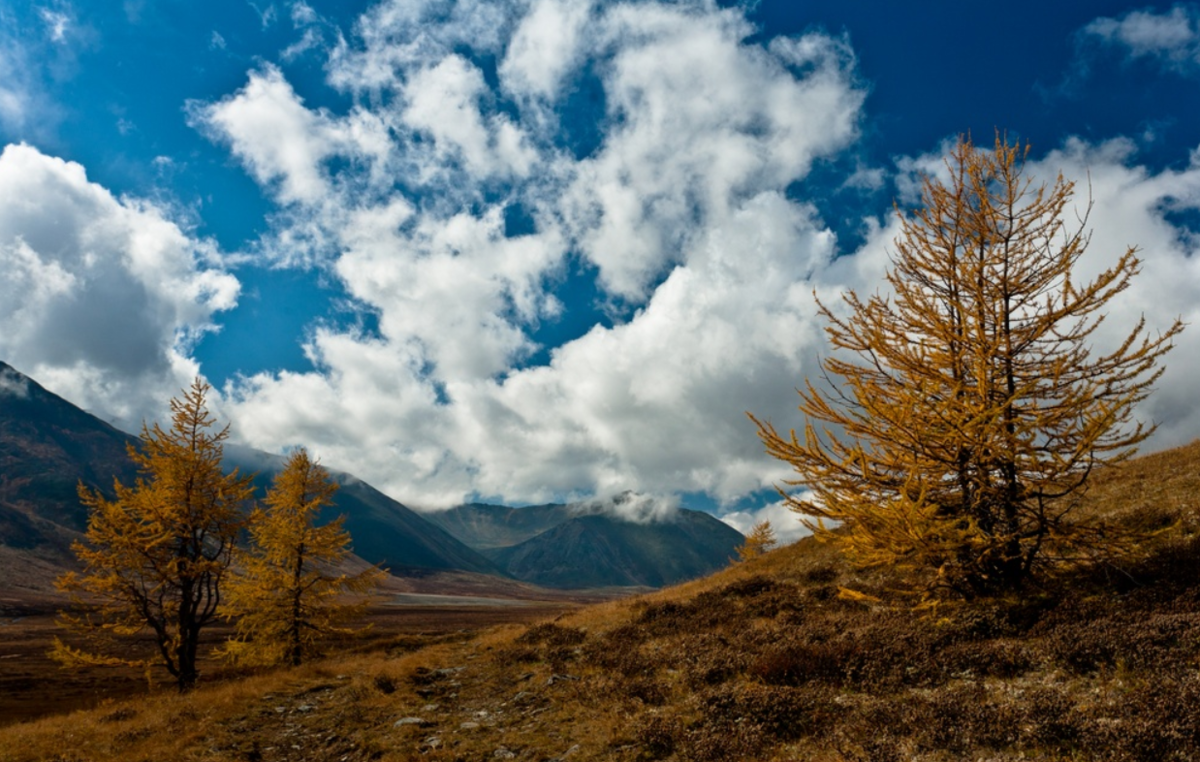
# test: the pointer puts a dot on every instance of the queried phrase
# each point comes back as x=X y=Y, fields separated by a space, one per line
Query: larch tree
x=971 y=408
x=760 y=540
x=289 y=592
x=156 y=556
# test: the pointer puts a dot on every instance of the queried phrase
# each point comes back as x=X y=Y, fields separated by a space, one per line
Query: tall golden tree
x=156 y=556
x=971 y=409
x=290 y=593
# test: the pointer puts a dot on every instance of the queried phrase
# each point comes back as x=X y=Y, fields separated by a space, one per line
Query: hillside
x=385 y=532
x=762 y=661
x=48 y=446
x=593 y=544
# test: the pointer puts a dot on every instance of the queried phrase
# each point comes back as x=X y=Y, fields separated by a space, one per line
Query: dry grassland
x=761 y=662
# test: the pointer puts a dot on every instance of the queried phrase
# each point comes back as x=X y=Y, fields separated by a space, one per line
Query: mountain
x=488 y=527
x=384 y=531
x=48 y=446
x=594 y=544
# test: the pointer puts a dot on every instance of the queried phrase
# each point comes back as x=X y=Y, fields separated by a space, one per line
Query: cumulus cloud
x=1172 y=38
x=102 y=296
x=784 y=521
x=1132 y=206
x=679 y=210
x=668 y=186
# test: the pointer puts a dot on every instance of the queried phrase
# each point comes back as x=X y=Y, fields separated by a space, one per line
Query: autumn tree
x=156 y=556
x=971 y=408
x=289 y=591
x=759 y=541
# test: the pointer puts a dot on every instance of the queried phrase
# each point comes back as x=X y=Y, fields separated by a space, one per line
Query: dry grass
x=763 y=661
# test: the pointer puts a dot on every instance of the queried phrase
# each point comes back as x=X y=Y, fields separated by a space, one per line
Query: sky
x=525 y=251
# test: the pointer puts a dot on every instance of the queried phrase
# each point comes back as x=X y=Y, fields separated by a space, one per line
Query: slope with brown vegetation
x=765 y=661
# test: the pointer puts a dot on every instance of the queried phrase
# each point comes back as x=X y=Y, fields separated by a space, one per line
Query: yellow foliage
x=972 y=411
x=759 y=541
x=287 y=593
x=156 y=557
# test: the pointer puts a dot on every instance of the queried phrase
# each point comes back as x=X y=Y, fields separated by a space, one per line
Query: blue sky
x=539 y=249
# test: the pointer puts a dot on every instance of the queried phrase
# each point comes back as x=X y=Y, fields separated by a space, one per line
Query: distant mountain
x=48 y=445
x=384 y=531
x=487 y=527
x=593 y=544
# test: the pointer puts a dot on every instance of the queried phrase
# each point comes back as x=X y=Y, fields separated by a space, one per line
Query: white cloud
x=544 y=47
x=784 y=521
x=101 y=296
x=13 y=384
x=1134 y=207
x=443 y=102
x=303 y=14
x=56 y=23
x=1172 y=37
x=679 y=209
x=277 y=138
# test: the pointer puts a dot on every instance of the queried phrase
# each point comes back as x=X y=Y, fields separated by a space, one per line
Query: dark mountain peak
x=626 y=540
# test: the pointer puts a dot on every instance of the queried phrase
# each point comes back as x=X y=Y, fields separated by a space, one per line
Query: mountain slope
x=486 y=527
x=48 y=446
x=384 y=531
x=593 y=544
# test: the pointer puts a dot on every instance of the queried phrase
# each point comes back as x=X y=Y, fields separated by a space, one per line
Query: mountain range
x=594 y=543
x=48 y=446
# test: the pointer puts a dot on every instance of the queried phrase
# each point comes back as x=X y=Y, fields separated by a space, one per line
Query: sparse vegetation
x=764 y=661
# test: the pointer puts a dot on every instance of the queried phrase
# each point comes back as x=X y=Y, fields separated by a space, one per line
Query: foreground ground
x=765 y=661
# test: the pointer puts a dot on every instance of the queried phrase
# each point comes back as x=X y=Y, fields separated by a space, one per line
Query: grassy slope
x=761 y=661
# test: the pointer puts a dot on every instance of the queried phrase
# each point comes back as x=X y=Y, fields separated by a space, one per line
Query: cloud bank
x=101 y=297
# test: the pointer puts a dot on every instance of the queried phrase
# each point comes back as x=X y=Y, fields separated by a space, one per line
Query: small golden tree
x=288 y=593
x=965 y=430
x=759 y=541
x=157 y=555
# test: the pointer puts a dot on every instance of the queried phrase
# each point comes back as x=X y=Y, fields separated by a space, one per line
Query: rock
x=557 y=678
x=305 y=708
x=428 y=708
x=503 y=753
x=469 y=726
x=408 y=721
x=568 y=753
